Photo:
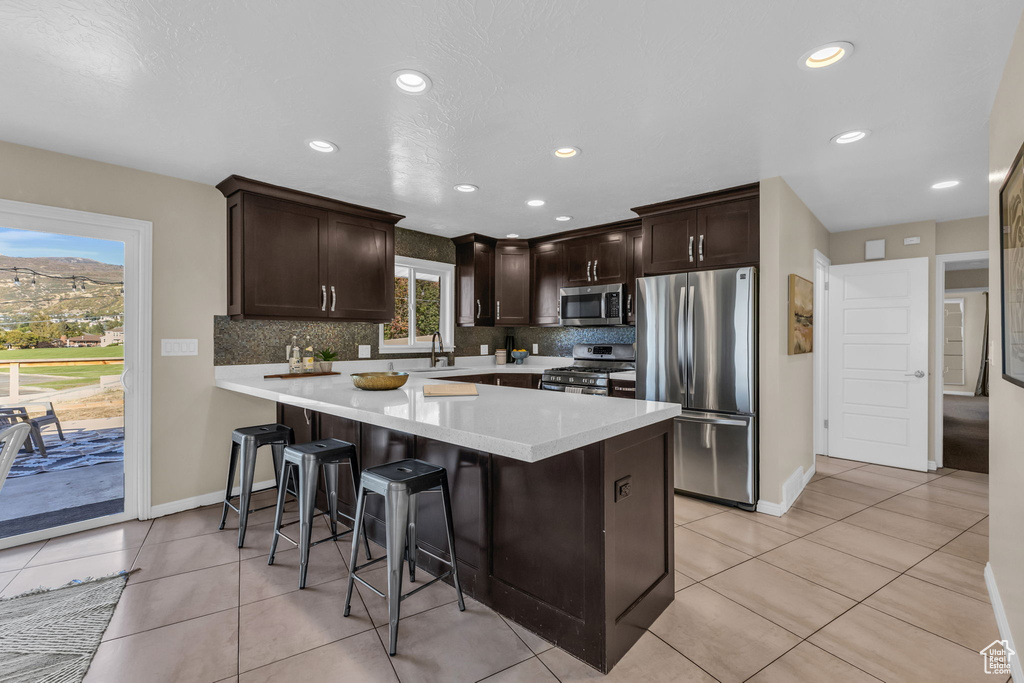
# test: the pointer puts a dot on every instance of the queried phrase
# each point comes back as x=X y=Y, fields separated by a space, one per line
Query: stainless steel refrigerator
x=697 y=346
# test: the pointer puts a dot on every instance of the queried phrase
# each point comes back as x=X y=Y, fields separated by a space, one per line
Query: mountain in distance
x=53 y=298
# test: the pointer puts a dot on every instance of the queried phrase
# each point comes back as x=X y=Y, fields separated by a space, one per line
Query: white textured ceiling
x=666 y=99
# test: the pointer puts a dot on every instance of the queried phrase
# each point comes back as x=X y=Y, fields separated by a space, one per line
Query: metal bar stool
x=400 y=482
x=245 y=443
x=305 y=462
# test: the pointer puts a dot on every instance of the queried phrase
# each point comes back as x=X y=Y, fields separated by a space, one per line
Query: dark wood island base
x=578 y=547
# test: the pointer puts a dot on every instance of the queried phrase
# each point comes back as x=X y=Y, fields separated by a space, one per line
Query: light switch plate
x=179 y=347
x=364 y=350
x=483 y=350
x=907 y=241
x=536 y=349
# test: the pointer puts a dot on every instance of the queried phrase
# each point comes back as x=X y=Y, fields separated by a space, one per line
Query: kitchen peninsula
x=563 y=503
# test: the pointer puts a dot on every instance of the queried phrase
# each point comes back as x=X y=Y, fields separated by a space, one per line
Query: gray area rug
x=80 y=449
x=52 y=635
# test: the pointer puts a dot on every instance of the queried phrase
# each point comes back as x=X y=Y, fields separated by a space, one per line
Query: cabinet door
x=578 y=262
x=636 y=270
x=610 y=260
x=285 y=259
x=670 y=242
x=334 y=427
x=361 y=280
x=304 y=422
x=514 y=379
x=545 y=281
x=483 y=284
x=512 y=284
x=728 y=234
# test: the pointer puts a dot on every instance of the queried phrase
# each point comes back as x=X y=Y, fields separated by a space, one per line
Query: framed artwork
x=1011 y=258
x=801 y=315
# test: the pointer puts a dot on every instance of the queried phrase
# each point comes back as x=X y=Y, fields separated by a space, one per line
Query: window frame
x=446 y=271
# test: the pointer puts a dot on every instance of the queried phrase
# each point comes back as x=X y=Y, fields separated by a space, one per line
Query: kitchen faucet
x=440 y=349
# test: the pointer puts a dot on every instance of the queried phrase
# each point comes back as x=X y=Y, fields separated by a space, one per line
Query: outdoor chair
x=12 y=438
x=14 y=414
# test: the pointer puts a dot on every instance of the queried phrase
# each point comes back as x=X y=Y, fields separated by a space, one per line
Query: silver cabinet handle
x=559 y=306
x=323 y=297
x=700 y=248
x=498 y=310
x=631 y=390
x=588 y=271
x=690 y=250
x=629 y=304
x=595 y=270
x=919 y=374
x=478 y=308
x=334 y=298
x=306 y=414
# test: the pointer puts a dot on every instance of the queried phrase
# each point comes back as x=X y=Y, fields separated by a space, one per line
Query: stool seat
x=412 y=475
x=263 y=435
x=322 y=451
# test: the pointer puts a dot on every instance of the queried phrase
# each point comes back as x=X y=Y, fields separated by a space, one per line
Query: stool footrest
x=360 y=580
x=360 y=567
x=428 y=584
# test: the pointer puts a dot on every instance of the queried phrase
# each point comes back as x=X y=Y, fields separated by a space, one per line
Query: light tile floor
x=875 y=574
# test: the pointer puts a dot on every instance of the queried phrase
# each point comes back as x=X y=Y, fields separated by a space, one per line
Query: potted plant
x=325 y=360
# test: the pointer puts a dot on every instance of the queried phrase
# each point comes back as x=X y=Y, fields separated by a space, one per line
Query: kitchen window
x=424 y=304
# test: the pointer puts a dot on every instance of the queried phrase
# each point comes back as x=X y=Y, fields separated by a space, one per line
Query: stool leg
x=282 y=490
x=396 y=504
x=277 y=450
x=366 y=536
x=307 y=506
x=358 y=526
x=232 y=464
x=446 y=498
x=248 y=457
x=410 y=538
x=331 y=472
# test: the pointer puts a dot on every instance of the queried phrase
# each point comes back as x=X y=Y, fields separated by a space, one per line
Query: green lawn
x=76 y=376
x=79 y=352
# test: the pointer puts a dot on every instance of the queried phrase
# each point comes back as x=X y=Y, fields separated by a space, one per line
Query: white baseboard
x=199 y=501
x=1002 y=622
x=932 y=466
x=958 y=393
x=791 y=490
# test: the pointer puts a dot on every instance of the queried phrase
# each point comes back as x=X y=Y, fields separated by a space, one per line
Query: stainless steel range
x=591 y=370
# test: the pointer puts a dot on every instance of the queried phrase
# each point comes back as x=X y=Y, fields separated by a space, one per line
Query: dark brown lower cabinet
x=578 y=547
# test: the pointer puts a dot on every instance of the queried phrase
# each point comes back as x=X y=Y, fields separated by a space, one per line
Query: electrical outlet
x=179 y=347
x=483 y=350
x=536 y=349
x=364 y=350
x=623 y=488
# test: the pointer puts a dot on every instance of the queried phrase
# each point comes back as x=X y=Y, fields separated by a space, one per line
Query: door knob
x=919 y=374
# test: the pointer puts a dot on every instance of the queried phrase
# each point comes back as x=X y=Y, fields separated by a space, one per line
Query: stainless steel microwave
x=591 y=306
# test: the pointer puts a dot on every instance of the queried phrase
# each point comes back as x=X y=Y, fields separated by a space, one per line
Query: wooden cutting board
x=460 y=389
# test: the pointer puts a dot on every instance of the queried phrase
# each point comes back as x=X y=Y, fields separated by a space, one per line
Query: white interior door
x=878 y=362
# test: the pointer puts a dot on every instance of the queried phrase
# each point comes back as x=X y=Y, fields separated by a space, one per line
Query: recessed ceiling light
x=851 y=136
x=466 y=187
x=512 y=235
x=825 y=55
x=566 y=152
x=322 y=146
x=535 y=202
x=563 y=218
x=411 y=82
x=945 y=184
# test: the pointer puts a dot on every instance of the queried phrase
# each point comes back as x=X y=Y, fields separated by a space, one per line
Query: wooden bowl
x=379 y=381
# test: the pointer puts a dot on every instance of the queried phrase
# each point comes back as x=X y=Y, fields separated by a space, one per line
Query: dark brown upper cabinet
x=512 y=283
x=600 y=259
x=474 y=276
x=299 y=256
x=715 y=230
x=545 y=281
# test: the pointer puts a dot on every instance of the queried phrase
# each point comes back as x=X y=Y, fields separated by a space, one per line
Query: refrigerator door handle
x=681 y=350
x=713 y=420
x=690 y=305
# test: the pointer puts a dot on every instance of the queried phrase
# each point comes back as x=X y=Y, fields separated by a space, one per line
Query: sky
x=28 y=243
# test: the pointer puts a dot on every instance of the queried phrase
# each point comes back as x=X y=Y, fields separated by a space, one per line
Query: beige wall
x=191 y=419
x=957 y=237
x=1006 y=428
x=974 y=331
x=965 y=279
x=789 y=235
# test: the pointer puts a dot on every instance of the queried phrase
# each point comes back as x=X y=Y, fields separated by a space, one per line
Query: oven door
x=590 y=306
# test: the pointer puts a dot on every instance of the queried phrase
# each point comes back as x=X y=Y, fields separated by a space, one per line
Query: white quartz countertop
x=525 y=424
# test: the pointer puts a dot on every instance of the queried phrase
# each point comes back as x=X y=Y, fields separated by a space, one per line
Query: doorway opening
x=74 y=365
x=963 y=350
